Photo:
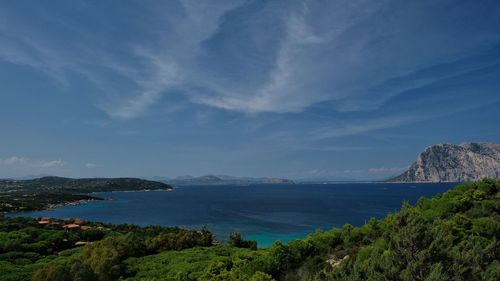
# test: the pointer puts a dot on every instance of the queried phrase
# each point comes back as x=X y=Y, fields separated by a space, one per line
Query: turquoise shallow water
x=265 y=213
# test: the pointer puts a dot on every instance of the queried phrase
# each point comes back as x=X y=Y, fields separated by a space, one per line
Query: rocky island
x=454 y=163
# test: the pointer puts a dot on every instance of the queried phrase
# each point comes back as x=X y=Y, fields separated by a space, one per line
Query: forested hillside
x=453 y=236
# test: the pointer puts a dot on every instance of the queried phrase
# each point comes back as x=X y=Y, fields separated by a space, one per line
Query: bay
x=265 y=213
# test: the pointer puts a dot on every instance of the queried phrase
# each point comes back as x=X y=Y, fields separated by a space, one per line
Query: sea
x=265 y=213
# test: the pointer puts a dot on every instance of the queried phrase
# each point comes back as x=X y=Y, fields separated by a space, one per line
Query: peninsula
x=48 y=192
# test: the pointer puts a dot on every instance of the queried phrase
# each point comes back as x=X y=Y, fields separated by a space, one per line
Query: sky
x=328 y=89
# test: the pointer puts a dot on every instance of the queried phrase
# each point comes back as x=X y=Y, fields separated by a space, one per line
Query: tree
x=81 y=272
x=52 y=272
x=261 y=276
x=236 y=240
x=104 y=262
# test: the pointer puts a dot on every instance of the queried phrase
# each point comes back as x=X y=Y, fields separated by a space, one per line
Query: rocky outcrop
x=454 y=163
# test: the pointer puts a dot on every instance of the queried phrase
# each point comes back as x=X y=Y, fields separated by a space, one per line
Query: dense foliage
x=36 y=194
x=453 y=236
x=50 y=251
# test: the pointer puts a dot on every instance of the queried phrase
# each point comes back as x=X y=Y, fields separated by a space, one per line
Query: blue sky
x=297 y=89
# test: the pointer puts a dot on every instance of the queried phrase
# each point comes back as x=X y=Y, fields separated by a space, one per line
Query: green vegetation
x=453 y=236
x=50 y=251
x=236 y=240
x=47 y=192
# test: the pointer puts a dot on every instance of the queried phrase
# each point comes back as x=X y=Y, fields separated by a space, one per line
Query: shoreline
x=73 y=203
x=52 y=206
x=143 y=190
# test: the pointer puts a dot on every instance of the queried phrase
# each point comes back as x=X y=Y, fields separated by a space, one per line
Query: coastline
x=53 y=206
x=124 y=191
x=90 y=198
x=74 y=203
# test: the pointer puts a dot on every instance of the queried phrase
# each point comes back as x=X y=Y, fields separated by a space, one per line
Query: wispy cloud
x=363 y=126
x=355 y=55
x=278 y=93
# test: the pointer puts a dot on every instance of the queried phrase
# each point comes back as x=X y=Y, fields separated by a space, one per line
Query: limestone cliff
x=454 y=163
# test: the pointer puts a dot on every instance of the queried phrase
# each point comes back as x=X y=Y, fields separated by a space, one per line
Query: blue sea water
x=265 y=213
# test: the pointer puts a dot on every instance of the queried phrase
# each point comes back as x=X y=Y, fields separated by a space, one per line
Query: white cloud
x=90 y=165
x=17 y=166
x=27 y=163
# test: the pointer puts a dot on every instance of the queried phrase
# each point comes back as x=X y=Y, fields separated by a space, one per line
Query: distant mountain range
x=438 y=163
x=454 y=163
x=219 y=180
